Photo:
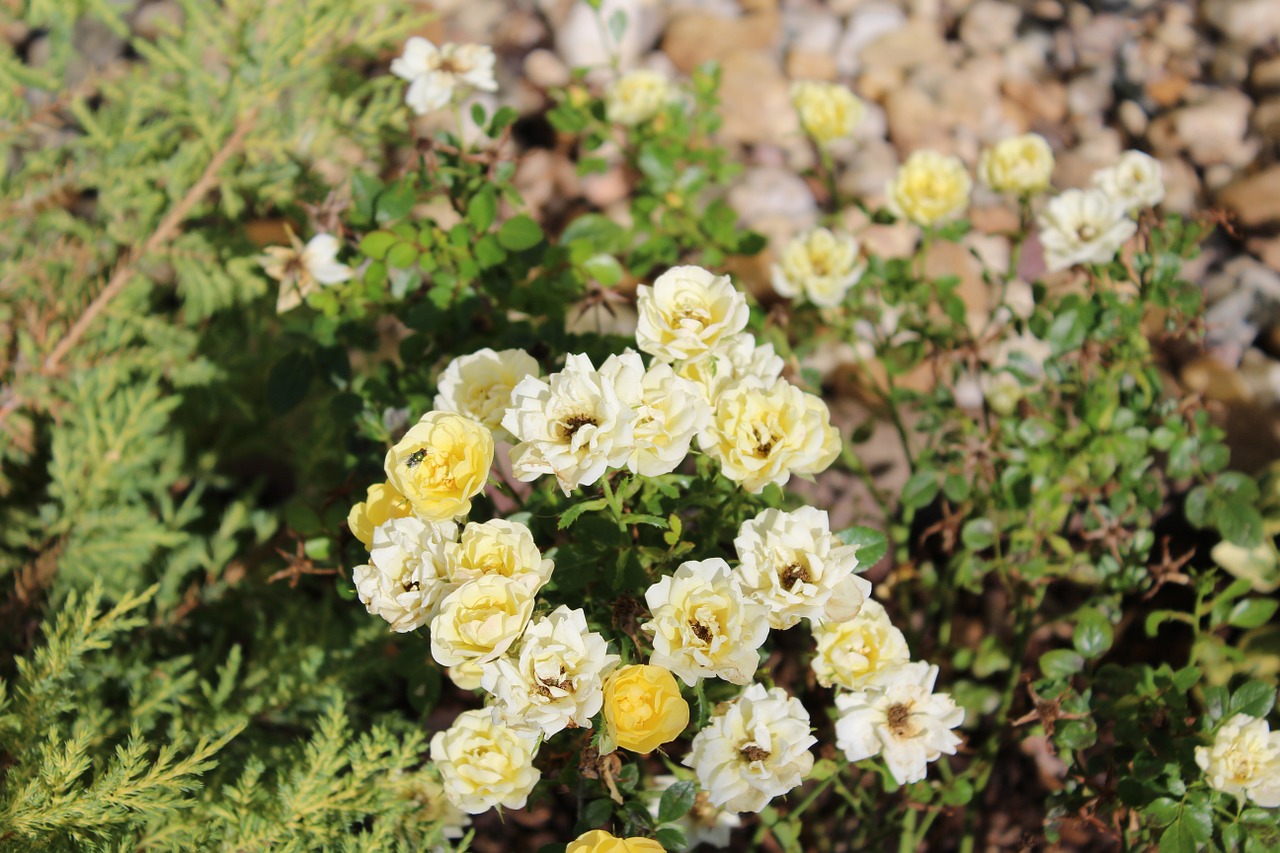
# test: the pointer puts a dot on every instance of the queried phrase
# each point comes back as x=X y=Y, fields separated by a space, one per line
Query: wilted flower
x=704 y=625
x=754 y=748
x=1083 y=227
x=1135 y=182
x=1244 y=760
x=410 y=562
x=686 y=312
x=638 y=96
x=827 y=111
x=852 y=652
x=479 y=385
x=792 y=564
x=437 y=75
x=484 y=763
x=819 y=264
x=1021 y=164
x=302 y=270
x=898 y=715
x=929 y=188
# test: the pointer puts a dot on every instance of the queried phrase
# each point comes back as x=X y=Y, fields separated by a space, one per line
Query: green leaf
x=395 y=203
x=483 y=209
x=671 y=839
x=1163 y=811
x=978 y=534
x=376 y=243
x=1252 y=612
x=872 y=545
x=519 y=233
x=677 y=800
x=1093 y=635
x=604 y=269
x=1177 y=838
x=920 y=490
x=597 y=812
x=1060 y=663
x=402 y=256
x=1255 y=698
x=572 y=513
x=288 y=381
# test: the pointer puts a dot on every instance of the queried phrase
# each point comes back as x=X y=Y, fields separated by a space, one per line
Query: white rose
x=792 y=564
x=638 y=96
x=729 y=362
x=554 y=680
x=1083 y=227
x=479 y=385
x=898 y=715
x=501 y=547
x=411 y=562
x=672 y=411
x=480 y=620
x=575 y=424
x=686 y=312
x=755 y=748
x=819 y=264
x=302 y=270
x=437 y=74
x=484 y=763
x=1244 y=760
x=763 y=434
x=703 y=824
x=852 y=652
x=1135 y=182
x=704 y=625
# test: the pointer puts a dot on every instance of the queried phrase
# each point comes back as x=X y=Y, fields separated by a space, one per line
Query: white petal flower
x=479 y=385
x=1083 y=227
x=703 y=624
x=638 y=96
x=411 y=562
x=686 y=312
x=672 y=411
x=898 y=715
x=704 y=823
x=763 y=434
x=1134 y=182
x=501 y=547
x=575 y=424
x=729 y=362
x=554 y=680
x=480 y=620
x=755 y=748
x=792 y=564
x=437 y=74
x=851 y=653
x=303 y=270
x=1244 y=760
x=819 y=264
x=484 y=763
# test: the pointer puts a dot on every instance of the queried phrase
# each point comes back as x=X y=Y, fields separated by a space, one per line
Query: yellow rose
x=1020 y=164
x=381 y=504
x=638 y=96
x=929 y=187
x=599 y=841
x=827 y=111
x=480 y=620
x=440 y=464
x=643 y=708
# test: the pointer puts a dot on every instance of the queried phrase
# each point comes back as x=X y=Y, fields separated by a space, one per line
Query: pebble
x=1249 y=23
x=989 y=25
x=1255 y=199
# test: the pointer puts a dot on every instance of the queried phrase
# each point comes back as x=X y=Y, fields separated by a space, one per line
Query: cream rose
x=501 y=547
x=1244 y=760
x=303 y=270
x=1135 y=182
x=852 y=652
x=638 y=96
x=410 y=562
x=729 y=362
x=672 y=411
x=484 y=763
x=1083 y=227
x=827 y=111
x=819 y=264
x=436 y=75
x=763 y=434
x=686 y=312
x=480 y=620
x=479 y=385
x=704 y=625
x=381 y=504
x=643 y=708
x=1021 y=164
x=441 y=463
x=929 y=188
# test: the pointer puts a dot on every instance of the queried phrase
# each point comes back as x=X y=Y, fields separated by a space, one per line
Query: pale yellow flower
x=599 y=841
x=484 y=763
x=382 y=503
x=480 y=620
x=1244 y=760
x=638 y=96
x=819 y=264
x=686 y=312
x=852 y=652
x=827 y=111
x=441 y=463
x=929 y=188
x=479 y=385
x=643 y=708
x=501 y=547
x=1021 y=164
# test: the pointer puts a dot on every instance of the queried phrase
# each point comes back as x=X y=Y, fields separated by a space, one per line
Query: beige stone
x=1255 y=200
x=756 y=101
x=916 y=43
x=1266 y=74
x=697 y=37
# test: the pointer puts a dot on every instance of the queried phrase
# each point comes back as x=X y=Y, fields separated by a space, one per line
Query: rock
x=915 y=44
x=756 y=100
x=1181 y=186
x=697 y=37
x=1026 y=57
x=1255 y=199
x=582 y=44
x=1244 y=298
x=1041 y=102
x=1266 y=74
x=1177 y=31
x=1250 y=23
x=1267 y=250
x=914 y=120
x=807 y=65
x=1091 y=94
x=1230 y=65
x=1099 y=38
x=1209 y=376
x=1212 y=131
x=871 y=21
x=1167 y=89
x=990 y=25
x=1133 y=118
x=775 y=201
x=1266 y=118
x=1260 y=377
x=868 y=171
x=544 y=69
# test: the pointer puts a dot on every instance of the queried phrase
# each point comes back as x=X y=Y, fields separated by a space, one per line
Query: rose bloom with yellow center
x=381 y=504
x=480 y=620
x=441 y=464
x=929 y=188
x=599 y=841
x=643 y=708
x=686 y=312
x=828 y=111
x=852 y=652
x=819 y=264
x=1021 y=164
x=638 y=96
x=1244 y=760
